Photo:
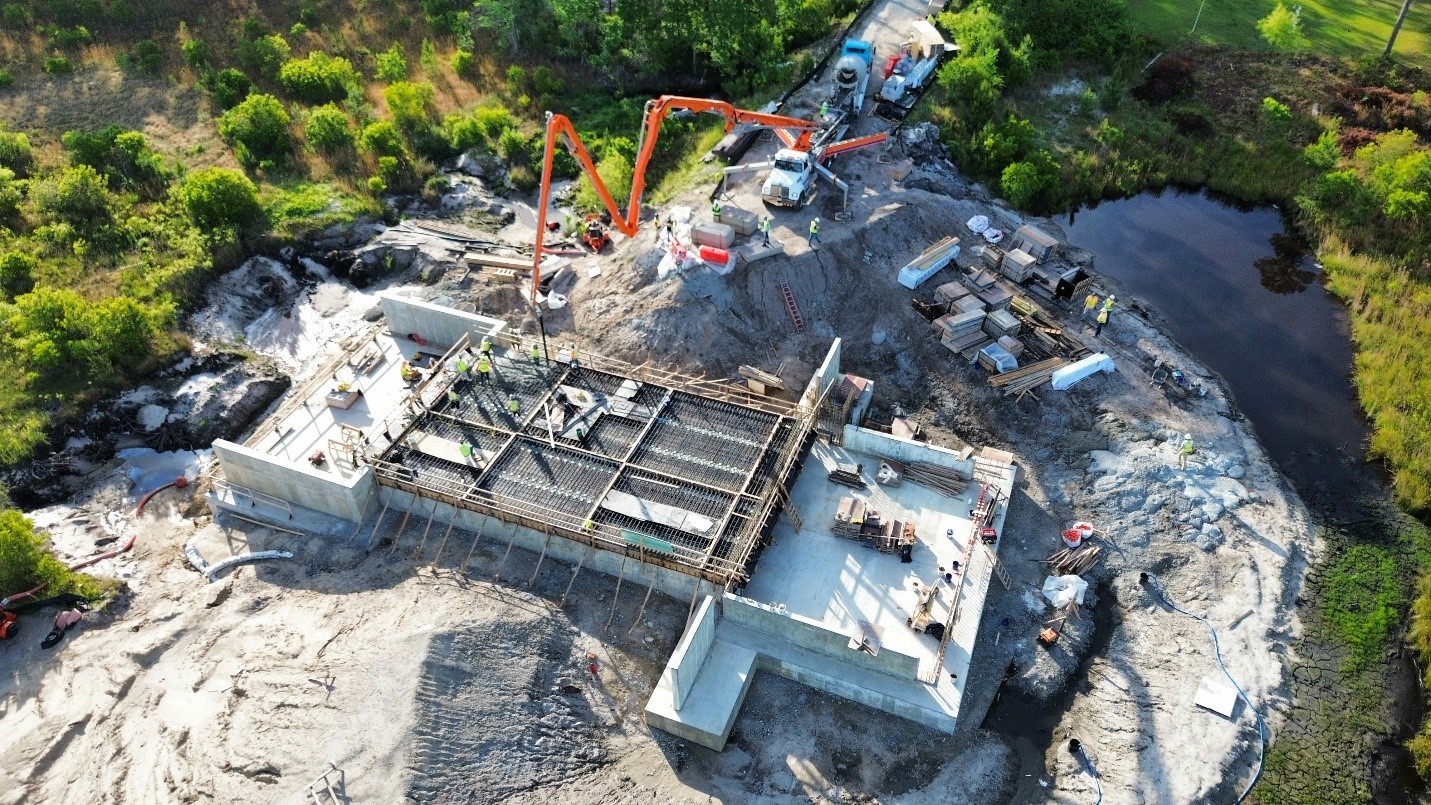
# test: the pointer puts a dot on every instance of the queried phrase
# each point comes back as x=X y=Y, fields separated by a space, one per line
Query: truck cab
x=790 y=179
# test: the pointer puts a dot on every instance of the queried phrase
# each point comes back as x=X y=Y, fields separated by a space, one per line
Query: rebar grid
x=563 y=479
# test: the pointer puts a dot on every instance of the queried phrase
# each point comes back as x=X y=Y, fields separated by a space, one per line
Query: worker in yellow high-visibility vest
x=814 y=238
x=1184 y=450
x=484 y=368
x=1090 y=306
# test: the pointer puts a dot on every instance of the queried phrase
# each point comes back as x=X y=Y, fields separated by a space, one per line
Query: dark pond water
x=1248 y=300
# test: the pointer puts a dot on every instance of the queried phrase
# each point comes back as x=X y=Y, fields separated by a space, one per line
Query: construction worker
x=1185 y=450
x=466 y=450
x=513 y=406
x=535 y=354
x=1090 y=306
x=484 y=368
x=453 y=398
x=575 y=360
x=814 y=238
x=715 y=210
x=1102 y=320
x=824 y=109
x=1108 y=303
x=462 y=366
x=765 y=231
x=486 y=347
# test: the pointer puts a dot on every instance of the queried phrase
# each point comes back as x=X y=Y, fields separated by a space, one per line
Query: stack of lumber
x=1013 y=345
x=846 y=477
x=893 y=535
x=957 y=324
x=1074 y=561
x=850 y=517
x=947 y=482
x=1026 y=379
x=950 y=291
x=1001 y=323
x=1042 y=330
x=993 y=257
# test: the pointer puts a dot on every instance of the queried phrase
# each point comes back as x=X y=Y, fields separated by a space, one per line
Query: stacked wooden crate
x=1000 y=323
x=967 y=304
x=959 y=331
x=950 y=292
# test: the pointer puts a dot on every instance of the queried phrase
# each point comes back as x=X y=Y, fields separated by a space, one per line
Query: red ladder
x=792 y=308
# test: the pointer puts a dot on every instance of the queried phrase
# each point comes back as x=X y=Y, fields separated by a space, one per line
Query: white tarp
x=978 y=224
x=1066 y=376
x=1059 y=590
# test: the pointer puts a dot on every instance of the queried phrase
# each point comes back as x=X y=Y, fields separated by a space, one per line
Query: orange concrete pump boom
x=559 y=126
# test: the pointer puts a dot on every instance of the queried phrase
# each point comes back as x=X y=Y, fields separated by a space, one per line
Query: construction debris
x=1074 y=561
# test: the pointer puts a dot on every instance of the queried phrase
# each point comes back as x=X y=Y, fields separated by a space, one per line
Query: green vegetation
x=1343 y=28
x=25 y=564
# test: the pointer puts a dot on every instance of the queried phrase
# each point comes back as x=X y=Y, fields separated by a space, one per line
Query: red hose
x=177 y=483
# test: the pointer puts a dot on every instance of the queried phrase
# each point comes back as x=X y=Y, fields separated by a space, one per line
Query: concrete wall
x=828 y=373
x=440 y=325
x=856 y=693
x=352 y=498
x=678 y=585
x=685 y=663
x=862 y=440
x=815 y=636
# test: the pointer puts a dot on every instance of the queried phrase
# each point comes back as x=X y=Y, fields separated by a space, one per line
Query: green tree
x=219 y=199
x=120 y=333
x=973 y=85
x=123 y=156
x=320 y=78
x=197 y=54
x=24 y=562
x=17 y=271
x=392 y=64
x=43 y=327
x=615 y=171
x=260 y=125
x=1282 y=29
x=329 y=130
x=1027 y=181
x=77 y=195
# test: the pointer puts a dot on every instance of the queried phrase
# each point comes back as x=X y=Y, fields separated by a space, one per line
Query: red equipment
x=9 y=625
x=799 y=132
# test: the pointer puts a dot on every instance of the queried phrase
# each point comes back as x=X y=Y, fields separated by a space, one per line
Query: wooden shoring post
x=480 y=528
x=616 y=595
x=443 y=546
x=512 y=540
x=695 y=593
x=402 y=527
x=378 y=524
x=430 y=517
x=642 y=611
x=545 y=545
x=574 y=573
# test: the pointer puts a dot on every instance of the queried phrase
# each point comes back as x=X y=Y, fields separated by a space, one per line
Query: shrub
x=6 y=79
x=219 y=198
x=146 y=57
x=229 y=86
x=197 y=54
x=16 y=16
x=320 y=78
x=10 y=197
x=67 y=38
x=15 y=152
x=615 y=171
x=24 y=563
x=410 y=103
x=260 y=125
x=264 y=55
x=485 y=125
x=328 y=130
x=17 y=274
x=1275 y=112
x=463 y=63
x=392 y=64
x=124 y=156
x=382 y=139
x=72 y=12
x=76 y=195
x=58 y=65
x=1282 y=29
x=376 y=185
x=1029 y=180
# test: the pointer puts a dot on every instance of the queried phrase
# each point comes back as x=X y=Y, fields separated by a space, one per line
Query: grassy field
x=1335 y=27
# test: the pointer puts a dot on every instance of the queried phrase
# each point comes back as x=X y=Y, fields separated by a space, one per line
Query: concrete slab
x=754 y=250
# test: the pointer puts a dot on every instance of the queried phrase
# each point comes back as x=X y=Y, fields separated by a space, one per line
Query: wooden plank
x=659 y=513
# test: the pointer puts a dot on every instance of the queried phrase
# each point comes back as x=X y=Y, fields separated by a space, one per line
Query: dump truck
x=917 y=61
x=852 y=74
